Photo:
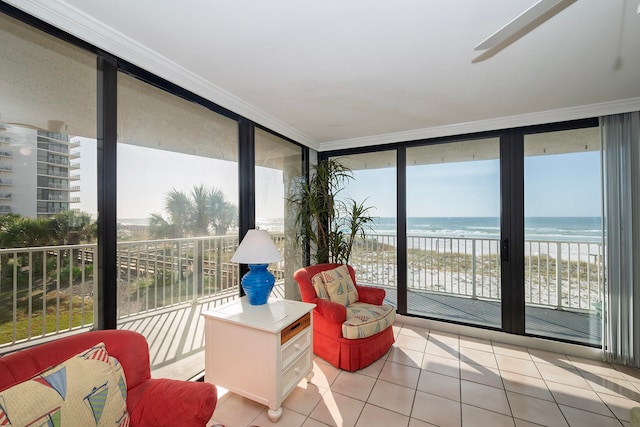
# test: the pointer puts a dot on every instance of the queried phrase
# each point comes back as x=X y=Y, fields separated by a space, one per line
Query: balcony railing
x=564 y=275
x=46 y=291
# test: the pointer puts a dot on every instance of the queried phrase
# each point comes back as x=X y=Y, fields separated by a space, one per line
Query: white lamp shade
x=256 y=248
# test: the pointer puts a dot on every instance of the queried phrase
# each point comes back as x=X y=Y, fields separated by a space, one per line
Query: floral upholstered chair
x=351 y=325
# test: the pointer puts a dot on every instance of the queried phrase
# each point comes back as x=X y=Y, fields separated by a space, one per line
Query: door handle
x=504 y=249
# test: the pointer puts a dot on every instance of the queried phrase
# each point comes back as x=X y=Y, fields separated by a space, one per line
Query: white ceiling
x=335 y=73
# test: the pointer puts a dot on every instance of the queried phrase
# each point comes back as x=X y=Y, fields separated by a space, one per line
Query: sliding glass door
x=503 y=232
x=453 y=230
x=563 y=235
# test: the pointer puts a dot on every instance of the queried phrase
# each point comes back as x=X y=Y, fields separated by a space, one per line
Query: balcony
x=56 y=173
x=459 y=279
x=55 y=161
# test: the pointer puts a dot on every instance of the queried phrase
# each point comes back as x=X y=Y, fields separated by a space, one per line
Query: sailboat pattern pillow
x=339 y=285
x=89 y=389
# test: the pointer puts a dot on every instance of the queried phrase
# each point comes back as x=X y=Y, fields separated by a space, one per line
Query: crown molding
x=529 y=119
x=77 y=23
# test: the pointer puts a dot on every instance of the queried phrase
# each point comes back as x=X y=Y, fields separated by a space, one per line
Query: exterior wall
x=35 y=171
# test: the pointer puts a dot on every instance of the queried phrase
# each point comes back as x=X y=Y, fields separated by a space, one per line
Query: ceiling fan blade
x=525 y=22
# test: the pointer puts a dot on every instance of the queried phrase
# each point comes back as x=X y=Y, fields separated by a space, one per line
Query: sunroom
x=503 y=181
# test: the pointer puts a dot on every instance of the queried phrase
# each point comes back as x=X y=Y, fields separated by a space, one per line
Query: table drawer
x=296 y=346
x=295 y=328
x=294 y=373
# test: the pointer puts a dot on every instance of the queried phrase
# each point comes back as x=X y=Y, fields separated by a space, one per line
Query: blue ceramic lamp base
x=257 y=284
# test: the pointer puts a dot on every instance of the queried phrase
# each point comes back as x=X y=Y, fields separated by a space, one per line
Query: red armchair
x=150 y=401
x=329 y=317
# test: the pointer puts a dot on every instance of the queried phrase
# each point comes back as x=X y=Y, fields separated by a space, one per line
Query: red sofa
x=150 y=401
x=328 y=317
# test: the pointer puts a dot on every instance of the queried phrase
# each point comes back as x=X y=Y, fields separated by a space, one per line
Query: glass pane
x=564 y=235
x=177 y=221
x=453 y=231
x=374 y=186
x=47 y=186
x=278 y=167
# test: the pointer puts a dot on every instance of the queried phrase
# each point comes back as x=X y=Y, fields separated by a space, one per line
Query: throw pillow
x=339 y=285
x=89 y=389
x=319 y=286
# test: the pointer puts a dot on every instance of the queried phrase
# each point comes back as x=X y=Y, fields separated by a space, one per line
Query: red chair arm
x=371 y=295
x=167 y=403
x=332 y=311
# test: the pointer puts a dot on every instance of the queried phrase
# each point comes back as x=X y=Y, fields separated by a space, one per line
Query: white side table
x=259 y=352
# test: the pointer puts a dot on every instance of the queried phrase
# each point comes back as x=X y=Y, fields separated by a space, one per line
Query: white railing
x=45 y=290
x=160 y=273
x=41 y=295
x=50 y=290
x=564 y=275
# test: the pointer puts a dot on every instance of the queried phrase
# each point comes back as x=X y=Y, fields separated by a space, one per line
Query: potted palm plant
x=329 y=223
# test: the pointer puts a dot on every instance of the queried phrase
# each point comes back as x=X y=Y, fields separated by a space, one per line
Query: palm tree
x=177 y=205
x=196 y=214
x=222 y=213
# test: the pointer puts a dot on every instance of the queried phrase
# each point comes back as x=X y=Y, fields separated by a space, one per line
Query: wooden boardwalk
x=176 y=334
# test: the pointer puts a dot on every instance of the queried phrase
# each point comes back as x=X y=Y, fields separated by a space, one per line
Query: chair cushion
x=87 y=389
x=339 y=286
x=365 y=320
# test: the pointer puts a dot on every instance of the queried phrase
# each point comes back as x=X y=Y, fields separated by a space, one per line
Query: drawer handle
x=297 y=347
x=297 y=370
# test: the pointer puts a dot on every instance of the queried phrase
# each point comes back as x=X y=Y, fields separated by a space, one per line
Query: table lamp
x=257 y=250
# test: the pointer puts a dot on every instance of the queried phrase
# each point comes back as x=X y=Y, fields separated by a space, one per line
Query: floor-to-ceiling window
x=373 y=187
x=48 y=204
x=177 y=217
x=502 y=230
x=564 y=252
x=453 y=229
x=278 y=167
x=150 y=253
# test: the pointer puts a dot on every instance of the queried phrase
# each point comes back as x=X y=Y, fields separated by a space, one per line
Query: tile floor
x=432 y=378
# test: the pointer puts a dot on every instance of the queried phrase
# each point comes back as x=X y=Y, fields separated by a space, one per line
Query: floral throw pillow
x=89 y=389
x=339 y=285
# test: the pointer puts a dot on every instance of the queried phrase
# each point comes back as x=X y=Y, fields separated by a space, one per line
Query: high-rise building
x=36 y=171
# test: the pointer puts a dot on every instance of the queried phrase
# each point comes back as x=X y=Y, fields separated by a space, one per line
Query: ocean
x=557 y=229
x=562 y=229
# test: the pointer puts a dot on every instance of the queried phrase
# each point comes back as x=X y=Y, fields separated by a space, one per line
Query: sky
x=555 y=185
x=146 y=176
